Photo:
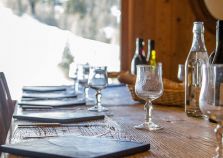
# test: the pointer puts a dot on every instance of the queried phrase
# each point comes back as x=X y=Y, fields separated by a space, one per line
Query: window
x=40 y=38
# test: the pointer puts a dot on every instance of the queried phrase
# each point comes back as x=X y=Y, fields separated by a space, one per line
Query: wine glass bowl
x=98 y=80
x=211 y=99
x=149 y=86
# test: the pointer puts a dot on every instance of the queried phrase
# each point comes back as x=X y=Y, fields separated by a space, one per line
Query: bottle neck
x=139 y=49
x=151 y=47
x=219 y=38
x=198 y=43
x=153 y=55
x=152 y=60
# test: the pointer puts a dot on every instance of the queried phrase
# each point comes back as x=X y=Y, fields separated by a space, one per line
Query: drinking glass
x=180 y=73
x=98 y=80
x=82 y=77
x=211 y=99
x=73 y=75
x=149 y=86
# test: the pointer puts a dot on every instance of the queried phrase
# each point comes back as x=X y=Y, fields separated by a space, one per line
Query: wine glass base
x=217 y=156
x=150 y=126
x=98 y=109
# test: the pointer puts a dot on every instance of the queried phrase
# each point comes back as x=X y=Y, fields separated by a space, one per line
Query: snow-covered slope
x=30 y=51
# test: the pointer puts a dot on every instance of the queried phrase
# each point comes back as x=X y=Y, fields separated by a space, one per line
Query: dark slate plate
x=54 y=103
x=44 y=88
x=59 y=117
x=49 y=95
x=75 y=147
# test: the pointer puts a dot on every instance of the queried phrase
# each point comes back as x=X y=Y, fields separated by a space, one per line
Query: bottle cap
x=198 y=27
x=151 y=44
x=139 y=41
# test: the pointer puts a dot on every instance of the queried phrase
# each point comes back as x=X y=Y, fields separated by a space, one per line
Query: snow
x=30 y=52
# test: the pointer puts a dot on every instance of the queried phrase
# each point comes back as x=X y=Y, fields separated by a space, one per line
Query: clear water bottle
x=193 y=77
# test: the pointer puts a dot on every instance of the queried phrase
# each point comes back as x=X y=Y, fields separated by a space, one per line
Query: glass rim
x=141 y=65
x=198 y=22
x=98 y=66
x=212 y=65
x=216 y=65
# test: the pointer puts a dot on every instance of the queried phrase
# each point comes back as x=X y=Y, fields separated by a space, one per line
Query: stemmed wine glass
x=149 y=86
x=98 y=80
x=211 y=99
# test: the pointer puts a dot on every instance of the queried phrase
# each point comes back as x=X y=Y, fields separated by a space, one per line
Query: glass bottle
x=151 y=46
x=197 y=56
x=218 y=55
x=218 y=40
x=211 y=57
x=139 y=57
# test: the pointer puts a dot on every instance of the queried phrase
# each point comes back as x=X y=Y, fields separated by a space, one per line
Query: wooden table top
x=181 y=136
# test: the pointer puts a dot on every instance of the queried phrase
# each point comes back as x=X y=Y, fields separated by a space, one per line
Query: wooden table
x=181 y=136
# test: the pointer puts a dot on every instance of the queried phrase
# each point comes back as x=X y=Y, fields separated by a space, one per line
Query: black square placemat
x=76 y=147
x=58 y=117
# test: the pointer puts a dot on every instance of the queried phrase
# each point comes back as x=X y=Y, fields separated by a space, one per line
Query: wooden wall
x=168 y=22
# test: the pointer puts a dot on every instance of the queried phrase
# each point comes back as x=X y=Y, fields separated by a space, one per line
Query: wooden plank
x=181 y=39
x=163 y=34
x=149 y=18
x=125 y=34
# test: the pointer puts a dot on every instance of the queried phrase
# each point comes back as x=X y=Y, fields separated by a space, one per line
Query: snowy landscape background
x=30 y=51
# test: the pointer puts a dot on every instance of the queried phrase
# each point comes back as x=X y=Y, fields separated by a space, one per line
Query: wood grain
x=181 y=136
x=169 y=22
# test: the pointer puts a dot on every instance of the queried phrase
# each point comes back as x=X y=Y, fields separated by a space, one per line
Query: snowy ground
x=30 y=51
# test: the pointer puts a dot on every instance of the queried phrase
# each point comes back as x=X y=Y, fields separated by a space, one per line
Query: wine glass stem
x=148 y=107
x=218 y=133
x=86 y=89
x=98 y=98
x=76 y=85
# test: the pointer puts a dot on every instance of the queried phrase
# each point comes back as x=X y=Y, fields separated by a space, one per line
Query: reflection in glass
x=180 y=73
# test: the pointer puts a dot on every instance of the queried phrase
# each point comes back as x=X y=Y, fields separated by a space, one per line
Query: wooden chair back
x=6 y=107
x=7 y=95
x=3 y=130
